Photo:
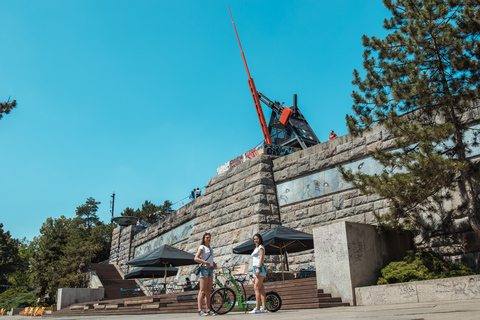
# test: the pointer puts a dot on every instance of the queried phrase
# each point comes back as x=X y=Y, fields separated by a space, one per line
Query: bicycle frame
x=241 y=293
x=240 y=301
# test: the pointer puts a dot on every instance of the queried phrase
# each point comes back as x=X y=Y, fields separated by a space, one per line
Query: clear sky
x=147 y=98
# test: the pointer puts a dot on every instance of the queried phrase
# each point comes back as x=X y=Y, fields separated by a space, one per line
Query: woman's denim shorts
x=206 y=273
x=263 y=271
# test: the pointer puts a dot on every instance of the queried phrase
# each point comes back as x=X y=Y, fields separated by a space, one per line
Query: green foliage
x=60 y=255
x=17 y=298
x=66 y=247
x=9 y=258
x=420 y=265
x=100 y=241
x=21 y=275
x=420 y=83
x=6 y=107
x=87 y=213
x=57 y=258
x=149 y=213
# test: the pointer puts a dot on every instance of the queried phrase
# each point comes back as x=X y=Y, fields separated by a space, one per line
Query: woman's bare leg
x=201 y=293
x=208 y=292
x=261 y=289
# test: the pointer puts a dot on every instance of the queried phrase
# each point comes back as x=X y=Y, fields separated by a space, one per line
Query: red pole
x=253 y=90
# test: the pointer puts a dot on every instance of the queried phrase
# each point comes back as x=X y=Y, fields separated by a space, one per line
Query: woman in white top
x=259 y=272
x=205 y=257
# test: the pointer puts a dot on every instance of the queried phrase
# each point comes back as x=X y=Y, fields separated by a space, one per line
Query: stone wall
x=312 y=194
x=343 y=203
x=449 y=289
x=236 y=204
x=302 y=191
x=357 y=251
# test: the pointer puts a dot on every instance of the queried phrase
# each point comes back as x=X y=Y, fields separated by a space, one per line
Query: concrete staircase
x=112 y=281
x=295 y=294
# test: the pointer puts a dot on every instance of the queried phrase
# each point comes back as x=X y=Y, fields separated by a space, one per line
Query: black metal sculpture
x=288 y=127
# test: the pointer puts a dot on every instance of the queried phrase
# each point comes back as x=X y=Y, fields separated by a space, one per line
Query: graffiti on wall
x=171 y=237
x=322 y=182
x=262 y=148
x=275 y=150
x=330 y=181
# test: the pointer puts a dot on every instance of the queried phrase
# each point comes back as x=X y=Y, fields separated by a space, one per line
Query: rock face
x=236 y=205
x=302 y=191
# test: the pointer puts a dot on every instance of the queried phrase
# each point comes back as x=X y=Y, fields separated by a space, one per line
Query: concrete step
x=112 y=281
x=295 y=294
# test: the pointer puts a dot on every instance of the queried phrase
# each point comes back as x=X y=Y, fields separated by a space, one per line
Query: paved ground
x=464 y=310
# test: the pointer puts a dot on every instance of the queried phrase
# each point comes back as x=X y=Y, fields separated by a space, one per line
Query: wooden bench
x=150 y=306
x=187 y=297
x=111 y=306
x=137 y=302
x=77 y=307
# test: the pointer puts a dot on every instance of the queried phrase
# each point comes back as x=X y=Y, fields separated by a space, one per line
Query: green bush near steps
x=421 y=265
x=18 y=298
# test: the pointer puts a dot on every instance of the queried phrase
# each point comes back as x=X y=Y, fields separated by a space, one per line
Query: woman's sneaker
x=211 y=313
x=263 y=310
x=255 y=310
x=201 y=313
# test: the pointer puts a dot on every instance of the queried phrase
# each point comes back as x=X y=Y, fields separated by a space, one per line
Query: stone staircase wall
x=112 y=281
x=301 y=191
x=235 y=205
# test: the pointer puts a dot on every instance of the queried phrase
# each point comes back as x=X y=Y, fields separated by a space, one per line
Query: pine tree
x=87 y=212
x=63 y=251
x=9 y=256
x=149 y=213
x=421 y=82
x=6 y=107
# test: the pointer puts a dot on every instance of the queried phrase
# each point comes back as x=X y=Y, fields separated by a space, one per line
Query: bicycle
x=224 y=299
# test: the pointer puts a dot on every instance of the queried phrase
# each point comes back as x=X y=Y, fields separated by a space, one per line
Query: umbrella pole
x=281 y=257
x=165 y=279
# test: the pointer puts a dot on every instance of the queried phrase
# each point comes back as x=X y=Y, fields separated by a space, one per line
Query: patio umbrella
x=278 y=240
x=154 y=272
x=162 y=257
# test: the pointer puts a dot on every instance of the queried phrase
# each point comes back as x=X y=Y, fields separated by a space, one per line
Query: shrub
x=17 y=298
x=421 y=265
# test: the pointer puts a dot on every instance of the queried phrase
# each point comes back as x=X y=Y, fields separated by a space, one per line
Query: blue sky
x=147 y=98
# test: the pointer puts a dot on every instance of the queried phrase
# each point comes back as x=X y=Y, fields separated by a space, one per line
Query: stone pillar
x=348 y=254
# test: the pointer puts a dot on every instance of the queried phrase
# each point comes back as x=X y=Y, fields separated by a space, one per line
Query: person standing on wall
x=333 y=135
x=205 y=257
x=259 y=272
x=198 y=193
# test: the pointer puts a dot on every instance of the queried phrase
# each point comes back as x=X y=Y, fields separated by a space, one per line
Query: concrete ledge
x=76 y=307
x=15 y=311
x=459 y=288
x=111 y=306
x=150 y=306
x=137 y=302
x=348 y=254
x=69 y=296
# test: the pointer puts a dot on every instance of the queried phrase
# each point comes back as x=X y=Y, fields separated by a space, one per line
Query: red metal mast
x=253 y=90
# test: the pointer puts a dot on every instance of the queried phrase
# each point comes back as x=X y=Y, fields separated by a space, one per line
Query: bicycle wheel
x=274 y=302
x=250 y=302
x=223 y=300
